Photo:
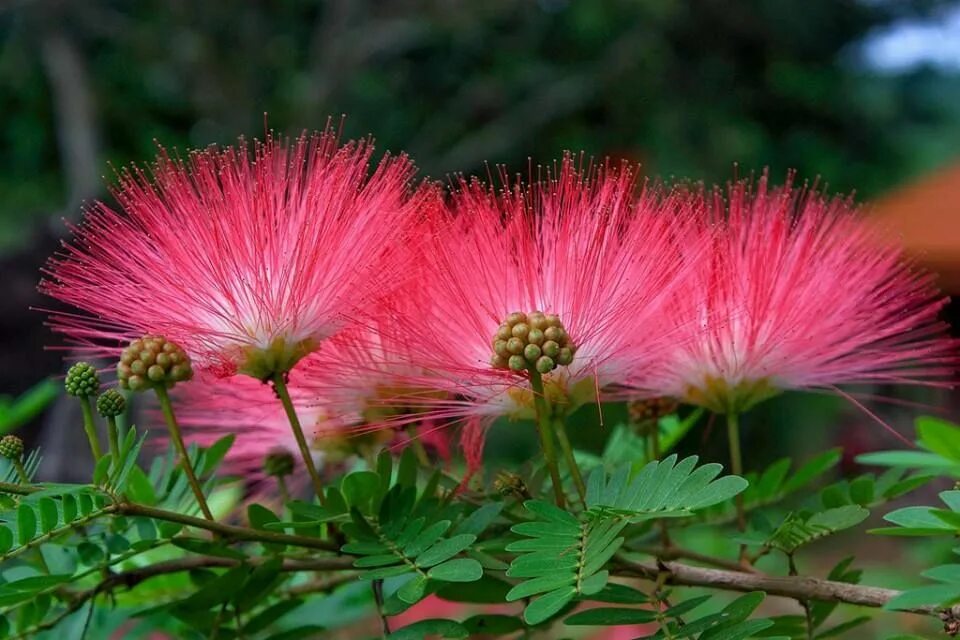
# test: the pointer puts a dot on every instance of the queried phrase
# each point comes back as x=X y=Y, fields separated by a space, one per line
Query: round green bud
x=531 y=353
x=11 y=447
x=517 y=363
x=515 y=346
x=278 y=463
x=551 y=349
x=538 y=321
x=153 y=361
x=533 y=339
x=520 y=330
x=82 y=380
x=111 y=403
x=545 y=364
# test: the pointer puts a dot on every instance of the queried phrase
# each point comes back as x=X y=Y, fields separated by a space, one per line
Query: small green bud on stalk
x=11 y=447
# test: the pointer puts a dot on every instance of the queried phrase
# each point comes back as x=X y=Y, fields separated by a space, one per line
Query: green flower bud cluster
x=153 y=361
x=111 y=403
x=82 y=380
x=278 y=463
x=11 y=447
x=532 y=341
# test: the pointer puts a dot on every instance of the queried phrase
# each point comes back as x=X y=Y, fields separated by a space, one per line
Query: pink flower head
x=247 y=256
x=800 y=292
x=579 y=258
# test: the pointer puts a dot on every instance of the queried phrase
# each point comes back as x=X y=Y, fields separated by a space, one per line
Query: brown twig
x=794 y=587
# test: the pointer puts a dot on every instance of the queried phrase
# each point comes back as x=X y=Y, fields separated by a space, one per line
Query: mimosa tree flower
x=564 y=277
x=247 y=256
x=800 y=292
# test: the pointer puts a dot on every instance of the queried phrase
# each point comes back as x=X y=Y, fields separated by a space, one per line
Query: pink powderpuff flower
x=248 y=257
x=799 y=292
x=566 y=275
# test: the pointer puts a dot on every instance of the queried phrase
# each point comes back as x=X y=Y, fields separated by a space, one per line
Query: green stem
x=282 y=489
x=280 y=386
x=177 y=438
x=417 y=445
x=90 y=427
x=114 y=437
x=544 y=431
x=736 y=462
x=561 y=431
x=736 y=467
x=21 y=471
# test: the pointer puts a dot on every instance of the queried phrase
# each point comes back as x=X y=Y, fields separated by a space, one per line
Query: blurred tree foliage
x=688 y=88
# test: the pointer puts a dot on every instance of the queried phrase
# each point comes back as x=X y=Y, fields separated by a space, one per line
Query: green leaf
x=258 y=586
x=548 y=605
x=944 y=573
x=459 y=570
x=360 y=488
x=621 y=594
x=907 y=459
x=26 y=524
x=217 y=591
x=270 y=615
x=933 y=595
x=432 y=627
x=939 y=437
x=49 y=515
x=797 y=530
x=414 y=590
x=216 y=452
x=608 y=616
x=486 y=590
x=445 y=549
x=6 y=539
x=918 y=518
x=812 y=470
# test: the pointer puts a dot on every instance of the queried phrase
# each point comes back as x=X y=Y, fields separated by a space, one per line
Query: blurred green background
x=865 y=93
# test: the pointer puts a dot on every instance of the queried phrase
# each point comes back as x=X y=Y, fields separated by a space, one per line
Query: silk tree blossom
x=564 y=276
x=249 y=256
x=800 y=292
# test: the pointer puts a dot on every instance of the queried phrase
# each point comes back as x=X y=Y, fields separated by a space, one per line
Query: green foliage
x=940 y=444
x=398 y=531
x=565 y=556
